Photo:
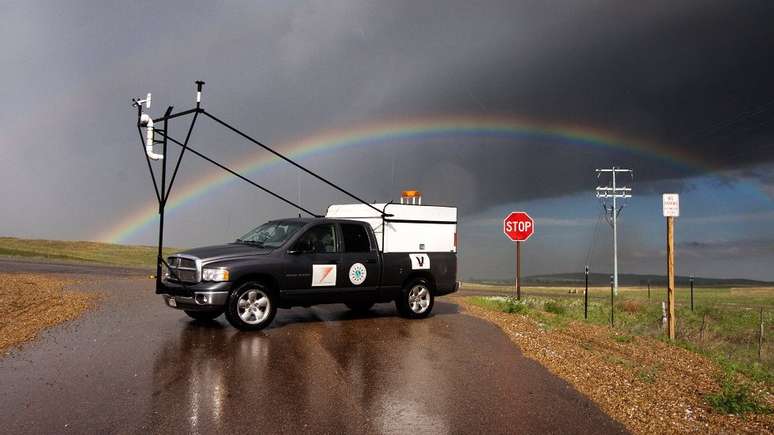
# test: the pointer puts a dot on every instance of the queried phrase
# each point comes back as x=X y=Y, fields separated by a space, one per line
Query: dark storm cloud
x=694 y=76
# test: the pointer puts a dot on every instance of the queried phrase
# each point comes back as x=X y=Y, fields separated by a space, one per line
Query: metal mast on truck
x=155 y=135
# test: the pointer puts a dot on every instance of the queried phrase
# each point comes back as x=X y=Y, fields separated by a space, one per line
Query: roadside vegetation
x=723 y=330
x=724 y=325
x=82 y=252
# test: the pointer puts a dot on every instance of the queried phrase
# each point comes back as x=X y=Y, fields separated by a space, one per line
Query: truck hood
x=223 y=252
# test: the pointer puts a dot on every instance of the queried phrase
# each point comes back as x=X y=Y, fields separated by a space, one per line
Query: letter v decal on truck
x=420 y=261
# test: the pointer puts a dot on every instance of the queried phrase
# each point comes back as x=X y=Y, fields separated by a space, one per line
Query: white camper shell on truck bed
x=405 y=228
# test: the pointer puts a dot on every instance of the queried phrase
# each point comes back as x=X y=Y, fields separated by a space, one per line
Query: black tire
x=359 y=307
x=407 y=303
x=252 y=317
x=204 y=316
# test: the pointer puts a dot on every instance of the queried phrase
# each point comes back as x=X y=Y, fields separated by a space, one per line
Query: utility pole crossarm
x=618 y=189
x=606 y=195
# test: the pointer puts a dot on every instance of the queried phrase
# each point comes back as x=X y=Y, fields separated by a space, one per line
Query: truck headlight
x=214 y=274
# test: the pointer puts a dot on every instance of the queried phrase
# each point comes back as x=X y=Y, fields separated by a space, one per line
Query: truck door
x=313 y=262
x=359 y=260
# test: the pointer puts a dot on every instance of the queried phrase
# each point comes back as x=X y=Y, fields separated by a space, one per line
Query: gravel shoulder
x=30 y=303
x=647 y=385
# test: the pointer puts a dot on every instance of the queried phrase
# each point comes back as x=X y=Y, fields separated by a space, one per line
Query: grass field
x=724 y=325
x=89 y=252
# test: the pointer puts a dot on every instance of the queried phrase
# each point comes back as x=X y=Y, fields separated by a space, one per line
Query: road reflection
x=317 y=370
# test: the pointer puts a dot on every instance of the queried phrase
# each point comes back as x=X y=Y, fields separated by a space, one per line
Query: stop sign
x=518 y=226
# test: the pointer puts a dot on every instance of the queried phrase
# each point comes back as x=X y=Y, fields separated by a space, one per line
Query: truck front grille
x=187 y=263
x=183 y=268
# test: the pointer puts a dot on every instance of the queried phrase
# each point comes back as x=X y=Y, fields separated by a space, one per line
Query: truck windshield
x=271 y=234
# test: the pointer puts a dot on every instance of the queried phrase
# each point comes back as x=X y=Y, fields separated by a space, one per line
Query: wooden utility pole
x=671 y=277
x=671 y=207
x=518 y=270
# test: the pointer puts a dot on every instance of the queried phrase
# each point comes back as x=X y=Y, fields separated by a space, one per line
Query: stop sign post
x=518 y=226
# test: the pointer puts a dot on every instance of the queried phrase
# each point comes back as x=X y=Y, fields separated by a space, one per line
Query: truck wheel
x=416 y=300
x=359 y=307
x=204 y=316
x=251 y=307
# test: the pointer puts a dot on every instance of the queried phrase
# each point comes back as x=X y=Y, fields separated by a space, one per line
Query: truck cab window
x=355 y=238
x=271 y=234
x=321 y=239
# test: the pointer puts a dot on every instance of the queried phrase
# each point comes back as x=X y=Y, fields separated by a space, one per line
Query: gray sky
x=694 y=77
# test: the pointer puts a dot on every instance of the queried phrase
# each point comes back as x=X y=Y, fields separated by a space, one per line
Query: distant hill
x=81 y=252
x=599 y=279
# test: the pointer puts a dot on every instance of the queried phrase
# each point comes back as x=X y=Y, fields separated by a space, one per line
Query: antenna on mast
x=199 y=85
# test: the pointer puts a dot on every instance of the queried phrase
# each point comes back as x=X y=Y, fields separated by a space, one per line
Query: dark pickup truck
x=303 y=262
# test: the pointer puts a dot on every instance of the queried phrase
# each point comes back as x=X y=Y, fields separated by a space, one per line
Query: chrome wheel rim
x=253 y=306
x=419 y=298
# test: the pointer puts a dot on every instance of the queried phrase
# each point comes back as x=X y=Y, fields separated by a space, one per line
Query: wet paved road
x=134 y=365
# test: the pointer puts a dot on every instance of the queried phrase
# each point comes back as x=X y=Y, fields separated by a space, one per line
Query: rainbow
x=398 y=131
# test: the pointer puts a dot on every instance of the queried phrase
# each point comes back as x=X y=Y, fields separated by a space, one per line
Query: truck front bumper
x=203 y=296
x=201 y=301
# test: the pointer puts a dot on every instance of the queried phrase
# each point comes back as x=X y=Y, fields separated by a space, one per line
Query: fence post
x=586 y=296
x=701 y=331
x=760 y=338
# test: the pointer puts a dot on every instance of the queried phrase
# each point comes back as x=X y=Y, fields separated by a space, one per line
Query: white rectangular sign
x=671 y=204
x=323 y=275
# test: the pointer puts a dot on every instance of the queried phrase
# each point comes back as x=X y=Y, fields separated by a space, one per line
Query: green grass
x=623 y=338
x=647 y=374
x=554 y=307
x=736 y=398
x=84 y=252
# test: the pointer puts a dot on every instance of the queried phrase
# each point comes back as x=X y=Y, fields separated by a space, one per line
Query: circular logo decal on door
x=357 y=273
